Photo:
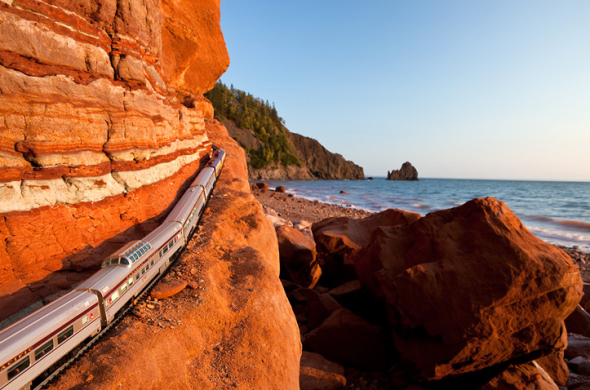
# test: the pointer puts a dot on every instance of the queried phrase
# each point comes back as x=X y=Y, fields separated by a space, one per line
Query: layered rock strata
x=93 y=139
x=236 y=330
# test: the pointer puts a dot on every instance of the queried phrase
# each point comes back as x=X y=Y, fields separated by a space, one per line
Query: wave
x=560 y=235
x=585 y=226
x=578 y=225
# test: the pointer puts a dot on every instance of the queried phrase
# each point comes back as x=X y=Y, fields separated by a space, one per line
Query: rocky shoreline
x=328 y=272
x=297 y=209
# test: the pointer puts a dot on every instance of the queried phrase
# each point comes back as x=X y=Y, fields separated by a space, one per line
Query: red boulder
x=347 y=339
x=338 y=240
x=469 y=288
x=298 y=257
x=167 y=288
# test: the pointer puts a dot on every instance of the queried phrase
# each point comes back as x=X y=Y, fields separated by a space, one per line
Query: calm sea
x=557 y=212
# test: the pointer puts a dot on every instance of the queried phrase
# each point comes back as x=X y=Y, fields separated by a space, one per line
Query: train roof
x=204 y=177
x=105 y=280
x=162 y=234
x=129 y=254
x=185 y=205
x=35 y=327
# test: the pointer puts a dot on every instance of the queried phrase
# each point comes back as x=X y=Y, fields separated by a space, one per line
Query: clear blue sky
x=460 y=88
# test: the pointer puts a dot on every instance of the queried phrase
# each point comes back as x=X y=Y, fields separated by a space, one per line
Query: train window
x=63 y=336
x=142 y=250
x=43 y=350
x=114 y=297
x=165 y=249
x=143 y=271
x=124 y=261
x=147 y=266
x=160 y=252
x=124 y=287
x=152 y=262
x=84 y=320
x=19 y=367
x=137 y=276
x=131 y=281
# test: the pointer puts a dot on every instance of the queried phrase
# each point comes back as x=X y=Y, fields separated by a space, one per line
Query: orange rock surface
x=236 y=331
x=469 y=288
x=167 y=288
x=194 y=55
x=95 y=143
x=49 y=249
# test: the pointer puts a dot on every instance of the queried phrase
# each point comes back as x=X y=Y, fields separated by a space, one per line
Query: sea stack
x=407 y=172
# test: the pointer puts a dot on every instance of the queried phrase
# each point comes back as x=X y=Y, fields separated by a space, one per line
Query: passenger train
x=37 y=342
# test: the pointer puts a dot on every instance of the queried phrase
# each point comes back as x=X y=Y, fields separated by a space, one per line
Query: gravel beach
x=297 y=209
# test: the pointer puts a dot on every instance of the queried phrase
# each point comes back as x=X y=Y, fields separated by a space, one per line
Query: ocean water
x=557 y=212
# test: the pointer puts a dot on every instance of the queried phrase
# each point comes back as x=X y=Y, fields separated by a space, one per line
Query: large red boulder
x=469 y=288
x=347 y=339
x=298 y=257
x=339 y=239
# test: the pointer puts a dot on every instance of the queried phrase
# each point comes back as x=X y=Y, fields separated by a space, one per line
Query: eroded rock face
x=468 y=288
x=94 y=142
x=193 y=48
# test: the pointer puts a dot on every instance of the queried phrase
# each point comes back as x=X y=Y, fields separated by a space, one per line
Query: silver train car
x=31 y=346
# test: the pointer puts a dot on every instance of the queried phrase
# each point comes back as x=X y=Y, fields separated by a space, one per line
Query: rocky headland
x=406 y=172
x=317 y=163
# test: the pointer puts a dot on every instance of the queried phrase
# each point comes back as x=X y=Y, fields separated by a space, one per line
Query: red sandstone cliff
x=94 y=141
x=102 y=126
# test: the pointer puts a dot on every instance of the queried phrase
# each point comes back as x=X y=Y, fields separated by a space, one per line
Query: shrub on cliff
x=258 y=116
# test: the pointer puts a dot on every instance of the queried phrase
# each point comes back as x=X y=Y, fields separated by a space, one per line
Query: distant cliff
x=315 y=161
x=321 y=163
x=273 y=152
x=407 y=172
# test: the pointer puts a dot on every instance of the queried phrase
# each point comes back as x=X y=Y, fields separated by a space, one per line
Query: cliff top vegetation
x=258 y=116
